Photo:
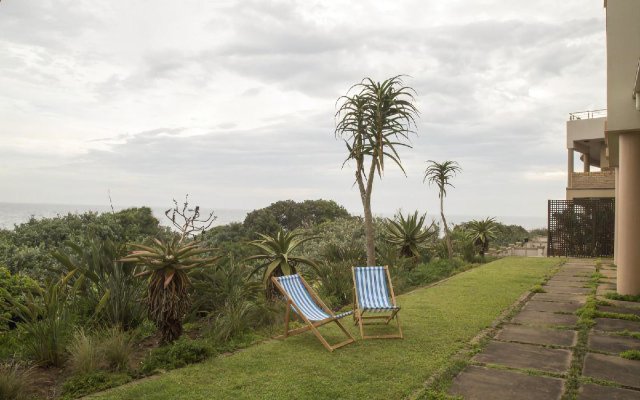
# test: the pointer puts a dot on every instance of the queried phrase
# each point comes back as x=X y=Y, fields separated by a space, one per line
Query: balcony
x=593 y=180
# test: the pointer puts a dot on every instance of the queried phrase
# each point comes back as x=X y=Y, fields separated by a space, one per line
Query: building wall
x=623 y=51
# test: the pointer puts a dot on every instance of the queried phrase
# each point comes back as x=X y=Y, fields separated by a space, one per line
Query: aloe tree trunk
x=365 y=196
x=447 y=236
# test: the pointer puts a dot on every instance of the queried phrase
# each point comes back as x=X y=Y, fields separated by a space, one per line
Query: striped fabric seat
x=301 y=297
x=372 y=290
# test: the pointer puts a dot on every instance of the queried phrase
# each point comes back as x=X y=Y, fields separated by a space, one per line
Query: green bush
x=14 y=383
x=27 y=248
x=82 y=385
x=336 y=282
x=13 y=287
x=179 y=354
x=84 y=355
x=424 y=274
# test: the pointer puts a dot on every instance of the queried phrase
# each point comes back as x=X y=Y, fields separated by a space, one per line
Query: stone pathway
x=531 y=356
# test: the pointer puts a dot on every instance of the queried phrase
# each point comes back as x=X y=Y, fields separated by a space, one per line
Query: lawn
x=437 y=322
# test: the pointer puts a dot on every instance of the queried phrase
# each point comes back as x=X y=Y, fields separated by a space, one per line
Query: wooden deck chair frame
x=311 y=325
x=361 y=320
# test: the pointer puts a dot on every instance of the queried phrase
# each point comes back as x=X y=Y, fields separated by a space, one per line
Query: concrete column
x=587 y=162
x=629 y=214
x=617 y=215
x=569 y=166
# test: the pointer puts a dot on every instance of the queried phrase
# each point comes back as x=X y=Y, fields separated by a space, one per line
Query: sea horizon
x=12 y=214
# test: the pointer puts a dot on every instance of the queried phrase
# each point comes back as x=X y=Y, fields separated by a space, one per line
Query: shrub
x=116 y=349
x=84 y=355
x=82 y=385
x=336 y=282
x=179 y=354
x=14 y=383
x=16 y=287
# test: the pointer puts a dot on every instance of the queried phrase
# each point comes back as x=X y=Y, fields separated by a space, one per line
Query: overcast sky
x=234 y=101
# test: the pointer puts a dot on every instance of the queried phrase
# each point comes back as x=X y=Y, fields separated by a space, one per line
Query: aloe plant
x=276 y=254
x=374 y=123
x=409 y=235
x=166 y=263
x=480 y=232
x=441 y=175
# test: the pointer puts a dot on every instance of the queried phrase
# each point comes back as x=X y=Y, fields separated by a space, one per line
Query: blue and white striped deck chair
x=304 y=302
x=373 y=294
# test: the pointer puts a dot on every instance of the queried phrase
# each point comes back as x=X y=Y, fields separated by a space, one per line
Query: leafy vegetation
x=374 y=123
x=85 y=312
x=177 y=355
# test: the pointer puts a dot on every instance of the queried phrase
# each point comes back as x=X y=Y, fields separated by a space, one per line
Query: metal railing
x=587 y=114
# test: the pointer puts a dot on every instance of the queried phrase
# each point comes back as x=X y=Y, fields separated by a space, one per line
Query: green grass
x=437 y=322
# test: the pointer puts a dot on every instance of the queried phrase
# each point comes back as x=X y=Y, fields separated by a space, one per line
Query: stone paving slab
x=549 y=306
x=613 y=343
x=608 y=273
x=527 y=334
x=601 y=291
x=573 y=279
x=624 y=304
x=615 y=325
x=620 y=310
x=560 y=297
x=597 y=392
x=540 y=318
x=566 y=290
x=478 y=383
x=525 y=356
x=612 y=368
x=564 y=283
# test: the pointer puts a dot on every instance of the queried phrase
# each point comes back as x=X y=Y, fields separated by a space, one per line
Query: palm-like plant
x=276 y=254
x=440 y=174
x=481 y=232
x=409 y=235
x=166 y=263
x=374 y=123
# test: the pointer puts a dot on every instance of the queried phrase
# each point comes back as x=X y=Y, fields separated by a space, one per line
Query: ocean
x=16 y=213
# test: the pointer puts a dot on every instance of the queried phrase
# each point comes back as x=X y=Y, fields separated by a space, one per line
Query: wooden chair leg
x=287 y=313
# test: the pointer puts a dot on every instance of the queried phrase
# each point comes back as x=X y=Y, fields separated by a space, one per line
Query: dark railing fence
x=581 y=227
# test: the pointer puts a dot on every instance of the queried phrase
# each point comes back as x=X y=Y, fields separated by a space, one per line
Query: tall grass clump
x=14 y=383
x=116 y=349
x=84 y=354
x=46 y=323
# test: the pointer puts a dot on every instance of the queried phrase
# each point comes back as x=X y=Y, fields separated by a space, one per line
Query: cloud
x=236 y=100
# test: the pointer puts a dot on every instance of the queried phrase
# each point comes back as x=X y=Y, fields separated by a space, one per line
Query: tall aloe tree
x=441 y=174
x=481 y=232
x=277 y=256
x=374 y=123
x=409 y=234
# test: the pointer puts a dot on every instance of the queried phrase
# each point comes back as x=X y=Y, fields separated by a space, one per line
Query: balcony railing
x=593 y=180
x=587 y=114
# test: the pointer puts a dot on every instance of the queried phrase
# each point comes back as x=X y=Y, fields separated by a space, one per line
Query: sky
x=234 y=102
